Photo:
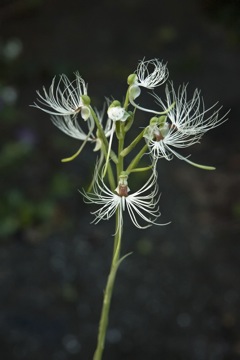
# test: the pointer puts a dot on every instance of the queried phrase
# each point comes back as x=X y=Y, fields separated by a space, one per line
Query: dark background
x=178 y=296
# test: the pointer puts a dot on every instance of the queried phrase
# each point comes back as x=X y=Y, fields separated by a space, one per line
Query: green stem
x=120 y=148
x=100 y=129
x=108 y=291
x=129 y=148
x=137 y=158
x=126 y=102
x=115 y=260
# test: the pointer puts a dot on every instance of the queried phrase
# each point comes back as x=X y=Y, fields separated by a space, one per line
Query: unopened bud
x=132 y=79
x=86 y=100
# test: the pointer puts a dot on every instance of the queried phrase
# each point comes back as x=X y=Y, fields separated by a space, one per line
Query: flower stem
x=120 y=148
x=136 y=160
x=108 y=291
x=128 y=149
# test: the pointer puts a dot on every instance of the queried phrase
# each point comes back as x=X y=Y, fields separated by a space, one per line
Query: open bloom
x=117 y=113
x=71 y=126
x=160 y=139
x=189 y=116
x=141 y=205
x=183 y=125
x=149 y=74
x=64 y=98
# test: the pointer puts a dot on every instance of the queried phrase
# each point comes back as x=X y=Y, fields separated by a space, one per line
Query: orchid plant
x=177 y=122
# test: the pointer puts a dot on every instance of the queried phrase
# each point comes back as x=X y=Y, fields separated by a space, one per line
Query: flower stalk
x=103 y=323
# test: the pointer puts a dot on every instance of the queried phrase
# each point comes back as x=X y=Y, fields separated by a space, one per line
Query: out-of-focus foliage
x=27 y=203
x=225 y=13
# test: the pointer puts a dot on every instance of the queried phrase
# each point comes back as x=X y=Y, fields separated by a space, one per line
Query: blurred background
x=178 y=296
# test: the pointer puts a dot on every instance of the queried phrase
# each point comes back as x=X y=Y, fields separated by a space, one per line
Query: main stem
x=108 y=292
x=115 y=260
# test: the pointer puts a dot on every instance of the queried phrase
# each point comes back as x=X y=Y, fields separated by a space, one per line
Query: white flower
x=116 y=113
x=183 y=125
x=65 y=97
x=149 y=74
x=70 y=126
x=160 y=139
x=142 y=204
x=189 y=116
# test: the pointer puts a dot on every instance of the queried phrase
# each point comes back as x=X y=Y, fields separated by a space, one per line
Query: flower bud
x=132 y=79
x=85 y=100
x=162 y=120
x=115 y=103
x=153 y=121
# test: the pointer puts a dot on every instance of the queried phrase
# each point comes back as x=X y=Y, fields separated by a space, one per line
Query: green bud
x=86 y=99
x=154 y=121
x=162 y=120
x=115 y=103
x=132 y=79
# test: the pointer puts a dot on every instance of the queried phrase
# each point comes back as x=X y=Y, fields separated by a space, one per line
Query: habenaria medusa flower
x=71 y=126
x=149 y=74
x=116 y=112
x=189 y=115
x=140 y=205
x=184 y=124
x=65 y=98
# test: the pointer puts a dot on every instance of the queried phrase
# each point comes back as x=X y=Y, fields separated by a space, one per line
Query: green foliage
x=12 y=153
x=17 y=212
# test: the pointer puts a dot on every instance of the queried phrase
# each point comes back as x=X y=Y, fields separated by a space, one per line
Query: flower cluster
x=178 y=122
